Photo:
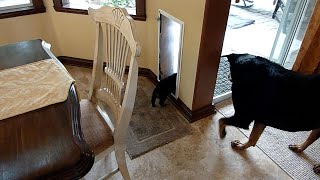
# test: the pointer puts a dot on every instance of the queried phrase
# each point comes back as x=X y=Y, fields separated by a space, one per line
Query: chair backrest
x=116 y=47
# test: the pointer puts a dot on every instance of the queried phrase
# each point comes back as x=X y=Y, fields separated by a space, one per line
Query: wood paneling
x=308 y=59
x=37 y=4
x=141 y=10
x=213 y=30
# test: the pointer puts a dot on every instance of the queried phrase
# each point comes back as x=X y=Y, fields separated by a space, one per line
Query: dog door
x=170 y=39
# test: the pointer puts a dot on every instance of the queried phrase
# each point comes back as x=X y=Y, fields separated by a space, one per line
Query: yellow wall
x=21 y=28
x=191 y=12
x=73 y=35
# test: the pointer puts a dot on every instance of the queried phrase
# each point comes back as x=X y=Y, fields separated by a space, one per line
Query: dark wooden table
x=46 y=143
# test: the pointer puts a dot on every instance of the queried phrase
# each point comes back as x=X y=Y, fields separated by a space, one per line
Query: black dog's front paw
x=316 y=168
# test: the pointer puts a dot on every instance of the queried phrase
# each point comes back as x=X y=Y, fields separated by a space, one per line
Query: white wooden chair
x=105 y=126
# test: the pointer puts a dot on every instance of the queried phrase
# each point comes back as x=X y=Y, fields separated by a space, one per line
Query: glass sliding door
x=291 y=31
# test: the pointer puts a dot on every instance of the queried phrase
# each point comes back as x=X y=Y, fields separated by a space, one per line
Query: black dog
x=270 y=95
x=163 y=89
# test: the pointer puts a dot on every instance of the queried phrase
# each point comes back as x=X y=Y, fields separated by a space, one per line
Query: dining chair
x=107 y=112
x=279 y=4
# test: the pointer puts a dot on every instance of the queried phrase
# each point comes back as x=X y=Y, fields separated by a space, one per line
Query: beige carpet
x=274 y=143
x=150 y=127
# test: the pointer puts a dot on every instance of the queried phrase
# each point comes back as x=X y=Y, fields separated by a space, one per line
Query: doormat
x=236 y=22
x=152 y=127
x=274 y=143
x=223 y=84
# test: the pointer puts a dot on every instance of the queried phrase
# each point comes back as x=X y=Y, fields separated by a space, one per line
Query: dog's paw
x=295 y=148
x=316 y=168
x=222 y=128
x=236 y=144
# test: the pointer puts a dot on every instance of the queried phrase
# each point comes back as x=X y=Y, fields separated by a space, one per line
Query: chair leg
x=244 y=2
x=121 y=160
x=108 y=176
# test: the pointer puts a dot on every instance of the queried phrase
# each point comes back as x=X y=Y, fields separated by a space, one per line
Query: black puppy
x=163 y=89
x=270 y=95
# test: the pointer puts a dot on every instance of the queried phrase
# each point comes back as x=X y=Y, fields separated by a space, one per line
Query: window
x=130 y=5
x=9 y=4
x=10 y=8
x=136 y=8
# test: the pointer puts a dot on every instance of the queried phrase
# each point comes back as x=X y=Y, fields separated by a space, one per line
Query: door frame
x=215 y=20
x=294 y=25
x=171 y=17
x=213 y=30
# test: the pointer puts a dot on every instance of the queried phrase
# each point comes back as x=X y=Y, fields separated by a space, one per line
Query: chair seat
x=96 y=131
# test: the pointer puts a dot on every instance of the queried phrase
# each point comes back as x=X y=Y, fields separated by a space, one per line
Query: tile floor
x=201 y=155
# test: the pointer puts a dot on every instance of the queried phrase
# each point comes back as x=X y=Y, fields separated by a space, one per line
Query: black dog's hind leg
x=222 y=127
x=313 y=136
x=232 y=121
x=223 y=122
x=154 y=97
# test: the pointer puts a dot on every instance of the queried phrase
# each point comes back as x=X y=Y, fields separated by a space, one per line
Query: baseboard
x=85 y=63
x=190 y=115
x=75 y=61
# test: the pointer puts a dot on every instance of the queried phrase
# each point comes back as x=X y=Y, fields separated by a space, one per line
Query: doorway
x=170 y=42
x=270 y=29
x=291 y=31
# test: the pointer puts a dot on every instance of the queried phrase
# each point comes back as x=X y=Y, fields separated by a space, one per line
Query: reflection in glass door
x=291 y=31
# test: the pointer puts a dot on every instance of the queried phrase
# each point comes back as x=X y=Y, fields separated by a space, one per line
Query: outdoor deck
x=256 y=38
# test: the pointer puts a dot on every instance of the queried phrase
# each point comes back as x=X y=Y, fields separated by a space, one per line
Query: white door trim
x=161 y=12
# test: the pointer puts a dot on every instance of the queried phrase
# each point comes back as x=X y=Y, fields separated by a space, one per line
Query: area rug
x=149 y=127
x=236 y=21
x=223 y=84
x=274 y=143
x=152 y=127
